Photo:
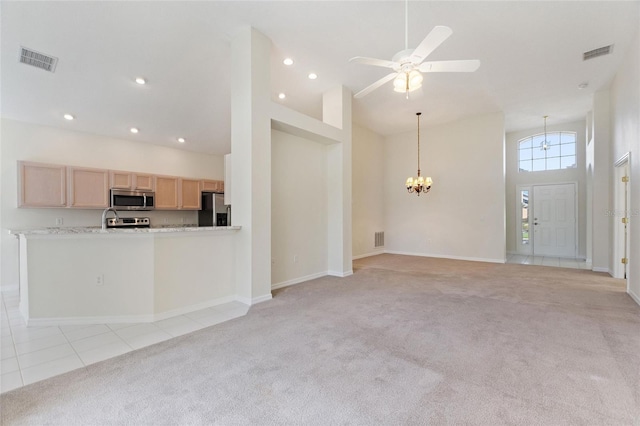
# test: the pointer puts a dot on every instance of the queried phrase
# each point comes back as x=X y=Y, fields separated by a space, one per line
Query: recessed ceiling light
x=134 y=130
x=583 y=85
x=288 y=61
x=313 y=76
x=68 y=117
x=141 y=80
x=282 y=96
x=181 y=140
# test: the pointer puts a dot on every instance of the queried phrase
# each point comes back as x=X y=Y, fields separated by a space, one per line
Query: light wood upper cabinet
x=41 y=185
x=166 y=192
x=143 y=182
x=120 y=180
x=212 y=185
x=190 y=198
x=88 y=188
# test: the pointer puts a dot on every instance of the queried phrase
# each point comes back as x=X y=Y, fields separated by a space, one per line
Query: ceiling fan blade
x=374 y=61
x=375 y=85
x=430 y=43
x=469 y=65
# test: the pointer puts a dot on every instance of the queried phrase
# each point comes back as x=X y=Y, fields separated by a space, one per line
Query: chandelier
x=420 y=184
x=544 y=145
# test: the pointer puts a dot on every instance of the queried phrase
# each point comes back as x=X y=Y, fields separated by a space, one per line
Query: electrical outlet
x=59 y=221
x=295 y=258
x=182 y=220
x=166 y=220
x=100 y=279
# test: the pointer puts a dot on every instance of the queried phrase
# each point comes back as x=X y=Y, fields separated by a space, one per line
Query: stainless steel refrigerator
x=213 y=211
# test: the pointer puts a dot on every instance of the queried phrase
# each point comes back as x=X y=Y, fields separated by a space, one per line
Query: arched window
x=557 y=152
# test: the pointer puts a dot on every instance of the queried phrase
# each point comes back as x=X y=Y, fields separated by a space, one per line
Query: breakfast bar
x=91 y=276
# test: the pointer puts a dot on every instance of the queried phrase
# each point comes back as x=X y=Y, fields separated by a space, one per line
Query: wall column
x=251 y=163
x=336 y=111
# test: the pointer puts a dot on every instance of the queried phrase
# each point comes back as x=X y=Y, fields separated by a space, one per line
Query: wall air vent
x=600 y=51
x=37 y=59
x=379 y=239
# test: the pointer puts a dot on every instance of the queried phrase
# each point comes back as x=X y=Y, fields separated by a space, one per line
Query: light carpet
x=405 y=340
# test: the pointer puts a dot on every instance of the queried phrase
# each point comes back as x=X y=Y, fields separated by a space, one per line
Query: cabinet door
x=190 y=194
x=88 y=188
x=41 y=185
x=166 y=192
x=209 y=185
x=142 y=181
x=120 y=180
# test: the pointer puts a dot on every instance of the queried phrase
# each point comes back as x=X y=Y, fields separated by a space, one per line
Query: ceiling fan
x=408 y=64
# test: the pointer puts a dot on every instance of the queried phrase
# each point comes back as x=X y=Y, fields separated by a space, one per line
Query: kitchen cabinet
x=120 y=180
x=226 y=185
x=143 y=182
x=212 y=186
x=87 y=188
x=190 y=194
x=41 y=185
x=166 y=192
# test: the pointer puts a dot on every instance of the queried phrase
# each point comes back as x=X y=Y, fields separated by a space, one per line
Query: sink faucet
x=104 y=216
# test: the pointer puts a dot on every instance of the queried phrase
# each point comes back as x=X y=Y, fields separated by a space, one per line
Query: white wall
x=464 y=214
x=625 y=132
x=23 y=141
x=368 y=196
x=298 y=209
x=515 y=178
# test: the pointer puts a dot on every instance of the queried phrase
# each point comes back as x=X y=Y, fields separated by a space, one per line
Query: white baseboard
x=600 y=269
x=439 y=256
x=117 y=319
x=298 y=280
x=250 y=302
x=634 y=296
x=362 y=256
x=340 y=274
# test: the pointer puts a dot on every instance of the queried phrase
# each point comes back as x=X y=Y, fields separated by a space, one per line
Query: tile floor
x=37 y=353
x=548 y=261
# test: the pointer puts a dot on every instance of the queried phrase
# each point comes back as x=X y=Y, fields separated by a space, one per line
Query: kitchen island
x=92 y=276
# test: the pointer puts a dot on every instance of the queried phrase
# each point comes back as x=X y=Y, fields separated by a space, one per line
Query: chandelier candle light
x=419 y=185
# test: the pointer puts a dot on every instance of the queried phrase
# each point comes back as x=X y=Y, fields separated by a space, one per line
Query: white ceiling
x=531 y=54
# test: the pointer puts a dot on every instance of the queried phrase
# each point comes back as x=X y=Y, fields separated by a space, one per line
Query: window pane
x=568 y=137
x=553 y=163
x=538 y=165
x=536 y=141
x=525 y=143
x=525 y=154
x=568 y=162
x=553 y=138
x=538 y=153
x=525 y=166
x=568 y=149
x=553 y=151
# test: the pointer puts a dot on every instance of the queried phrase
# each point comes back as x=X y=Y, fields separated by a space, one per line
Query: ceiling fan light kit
x=408 y=64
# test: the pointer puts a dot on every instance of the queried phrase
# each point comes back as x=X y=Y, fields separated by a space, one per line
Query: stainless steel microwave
x=124 y=199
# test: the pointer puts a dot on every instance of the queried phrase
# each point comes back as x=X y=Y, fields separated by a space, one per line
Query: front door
x=554 y=221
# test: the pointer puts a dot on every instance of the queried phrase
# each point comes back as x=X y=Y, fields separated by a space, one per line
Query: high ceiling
x=531 y=54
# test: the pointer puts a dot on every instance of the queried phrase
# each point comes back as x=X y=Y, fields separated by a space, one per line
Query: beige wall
x=299 y=209
x=23 y=141
x=515 y=178
x=368 y=197
x=464 y=214
x=625 y=132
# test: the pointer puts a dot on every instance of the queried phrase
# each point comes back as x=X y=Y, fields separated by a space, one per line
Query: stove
x=129 y=222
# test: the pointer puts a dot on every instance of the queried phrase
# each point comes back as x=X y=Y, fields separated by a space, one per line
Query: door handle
x=535 y=223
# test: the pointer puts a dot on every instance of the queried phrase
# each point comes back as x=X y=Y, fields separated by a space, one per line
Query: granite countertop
x=99 y=230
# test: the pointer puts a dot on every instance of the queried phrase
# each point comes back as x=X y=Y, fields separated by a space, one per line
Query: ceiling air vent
x=37 y=59
x=600 y=51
